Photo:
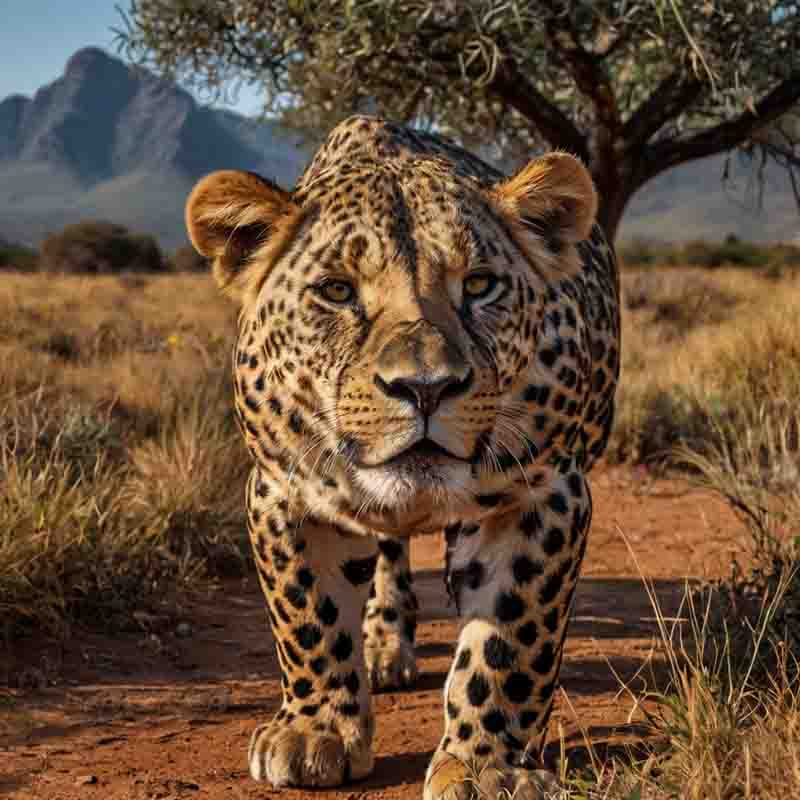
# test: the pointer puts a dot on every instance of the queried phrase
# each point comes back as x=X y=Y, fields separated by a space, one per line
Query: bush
x=732 y=252
x=187 y=259
x=710 y=255
x=97 y=247
x=641 y=253
x=17 y=257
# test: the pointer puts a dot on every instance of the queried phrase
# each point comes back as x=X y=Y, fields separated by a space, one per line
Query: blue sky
x=37 y=37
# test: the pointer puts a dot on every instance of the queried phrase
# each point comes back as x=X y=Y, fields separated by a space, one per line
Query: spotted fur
x=423 y=344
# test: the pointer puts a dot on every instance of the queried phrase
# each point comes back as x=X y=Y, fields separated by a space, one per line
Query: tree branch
x=725 y=136
x=513 y=88
x=675 y=93
x=586 y=70
x=777 y=152
x=555 y=126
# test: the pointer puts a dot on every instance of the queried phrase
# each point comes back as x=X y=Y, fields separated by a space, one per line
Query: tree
x=633 y=88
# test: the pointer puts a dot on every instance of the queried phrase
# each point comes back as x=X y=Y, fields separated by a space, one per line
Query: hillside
x=105 y=140
x=108 y=141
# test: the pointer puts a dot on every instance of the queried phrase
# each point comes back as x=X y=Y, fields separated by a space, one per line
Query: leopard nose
x=424 y=393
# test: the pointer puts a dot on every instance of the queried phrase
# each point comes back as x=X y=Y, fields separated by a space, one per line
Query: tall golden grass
x=122 y=477
x=121 y=466
x=114 y=393
x=700 y=348
x=711 y=376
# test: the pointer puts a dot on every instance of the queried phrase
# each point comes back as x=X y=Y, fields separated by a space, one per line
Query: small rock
x=86 y=780
x=31 y=678
x=184 y=630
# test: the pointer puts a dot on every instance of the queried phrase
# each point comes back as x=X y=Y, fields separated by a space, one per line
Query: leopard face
x=392 y=307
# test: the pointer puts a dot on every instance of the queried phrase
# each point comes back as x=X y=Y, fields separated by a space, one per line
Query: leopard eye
x=337 y=291
x=479 y=285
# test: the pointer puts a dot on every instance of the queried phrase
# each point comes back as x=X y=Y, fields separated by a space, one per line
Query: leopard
x=425 y=344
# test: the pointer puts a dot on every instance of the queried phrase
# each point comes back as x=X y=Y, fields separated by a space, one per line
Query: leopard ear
x=231 y=216
x=553 y=197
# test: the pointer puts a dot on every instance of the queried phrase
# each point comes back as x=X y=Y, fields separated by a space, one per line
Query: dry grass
x=122 y=476
x=120 y=463
x=724 y=728
x=124 y=380
x=700 y=349
x=717 y=731
x=728 y=725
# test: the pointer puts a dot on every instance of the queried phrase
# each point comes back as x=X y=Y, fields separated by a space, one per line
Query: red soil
x=152 y=715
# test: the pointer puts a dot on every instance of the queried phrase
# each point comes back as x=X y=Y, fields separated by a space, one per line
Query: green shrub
x=187 y=259
x=732 y=252
x=97 y=247
x=17 y=257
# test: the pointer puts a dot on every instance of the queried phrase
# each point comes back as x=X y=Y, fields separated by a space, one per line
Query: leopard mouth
x=423 y=453
x=415 y=488
x=424 y=448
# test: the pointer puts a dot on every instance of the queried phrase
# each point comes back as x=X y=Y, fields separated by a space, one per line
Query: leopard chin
x=414 y=494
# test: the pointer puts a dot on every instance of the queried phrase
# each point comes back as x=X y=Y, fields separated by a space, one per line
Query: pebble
x=184 y=630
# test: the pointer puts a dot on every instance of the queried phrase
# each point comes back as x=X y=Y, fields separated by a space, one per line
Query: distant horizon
x=38 y=38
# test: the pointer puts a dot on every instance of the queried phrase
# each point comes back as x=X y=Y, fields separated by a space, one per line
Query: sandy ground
x=168 y=713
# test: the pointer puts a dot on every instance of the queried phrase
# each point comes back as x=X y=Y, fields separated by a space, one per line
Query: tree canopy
x=633 y=88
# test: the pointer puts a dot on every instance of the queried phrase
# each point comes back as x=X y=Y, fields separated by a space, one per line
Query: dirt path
x=163 y=715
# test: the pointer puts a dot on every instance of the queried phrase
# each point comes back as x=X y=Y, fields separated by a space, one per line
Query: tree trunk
x=614 y=179
x=613 y=201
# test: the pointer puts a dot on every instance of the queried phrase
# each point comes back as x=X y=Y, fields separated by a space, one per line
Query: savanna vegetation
x=711 y=364
x=17 y=257
x=123 y=476
x=99 y=247
x=115 y=427
x=121 y=468
x=732 y=252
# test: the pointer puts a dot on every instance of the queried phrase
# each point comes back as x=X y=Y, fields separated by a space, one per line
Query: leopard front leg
x=390 y=621
x=315 y=580
x=513 y=578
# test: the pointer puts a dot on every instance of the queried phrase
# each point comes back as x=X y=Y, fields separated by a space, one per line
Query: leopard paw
x=301 y=752
x=451 y=778
x=391 y=663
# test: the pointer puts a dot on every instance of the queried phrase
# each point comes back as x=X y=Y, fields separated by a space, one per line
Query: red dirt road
x=158 y=715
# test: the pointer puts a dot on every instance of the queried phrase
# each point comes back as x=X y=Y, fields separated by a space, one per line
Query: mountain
x=109 y=141
x=692 y=202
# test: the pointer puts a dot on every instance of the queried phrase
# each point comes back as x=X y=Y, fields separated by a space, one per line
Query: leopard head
x=390 y=309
